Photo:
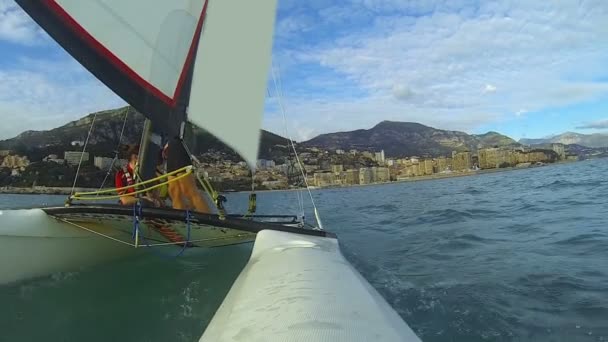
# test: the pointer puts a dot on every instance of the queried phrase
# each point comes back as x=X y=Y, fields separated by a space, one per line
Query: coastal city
x=325 y=168
x=322 y=168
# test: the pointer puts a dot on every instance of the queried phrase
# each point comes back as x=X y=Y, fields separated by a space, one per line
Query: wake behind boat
x=203 y=62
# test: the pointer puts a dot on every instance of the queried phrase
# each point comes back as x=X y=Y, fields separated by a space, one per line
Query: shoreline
x=44 y=190
x=435 y=176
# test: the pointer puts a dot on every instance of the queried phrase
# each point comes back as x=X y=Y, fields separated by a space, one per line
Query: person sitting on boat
x=125 y=176
x=183 y=190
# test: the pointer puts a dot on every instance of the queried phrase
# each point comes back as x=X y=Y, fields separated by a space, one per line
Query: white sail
x=230 y=73
x=163 y=56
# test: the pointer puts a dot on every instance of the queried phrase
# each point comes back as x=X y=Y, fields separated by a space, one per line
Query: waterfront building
x=74 y=157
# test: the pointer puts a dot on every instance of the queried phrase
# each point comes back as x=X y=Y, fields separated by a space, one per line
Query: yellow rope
x=214 y=194
x=78 y=196
x=207 y=186
x=189 y=168
x=85 y=196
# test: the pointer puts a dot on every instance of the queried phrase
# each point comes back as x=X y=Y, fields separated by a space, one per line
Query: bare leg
x=189 y=188
x=128 y=200
x=176 y=194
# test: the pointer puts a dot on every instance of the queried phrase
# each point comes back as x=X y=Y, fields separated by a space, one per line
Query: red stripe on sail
x=193 y=45
x=117 y=62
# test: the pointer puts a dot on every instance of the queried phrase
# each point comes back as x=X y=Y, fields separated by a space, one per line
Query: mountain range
x=409 y=139
x=397 y=139
x=570 y=138
x=106 y=136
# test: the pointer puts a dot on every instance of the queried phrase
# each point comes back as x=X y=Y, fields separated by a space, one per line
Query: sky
x=527 y=69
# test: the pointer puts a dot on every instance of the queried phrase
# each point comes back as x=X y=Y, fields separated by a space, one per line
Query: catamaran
x=205 y=62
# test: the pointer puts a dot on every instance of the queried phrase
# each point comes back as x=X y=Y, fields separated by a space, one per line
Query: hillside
x=106 y=133
x=568 y=138
x=494 y=139
x=408 y=139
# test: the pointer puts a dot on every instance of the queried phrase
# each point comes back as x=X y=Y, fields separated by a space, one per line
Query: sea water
x=510 y=256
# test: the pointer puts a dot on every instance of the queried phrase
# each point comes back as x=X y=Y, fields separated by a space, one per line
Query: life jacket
x=126 y=175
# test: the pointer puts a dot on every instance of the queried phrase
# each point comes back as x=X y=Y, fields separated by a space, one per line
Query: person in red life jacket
x=183 y=192
x=126 y=176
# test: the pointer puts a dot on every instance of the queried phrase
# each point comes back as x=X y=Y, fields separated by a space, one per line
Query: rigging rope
x=116 y=152
x=298 y=189
x=84 y=148
x=218 y=200
x=299 y=193
x=279 y=93
x=83 y=195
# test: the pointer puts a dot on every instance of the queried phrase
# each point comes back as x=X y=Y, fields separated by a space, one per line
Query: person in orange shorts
x=183 y=192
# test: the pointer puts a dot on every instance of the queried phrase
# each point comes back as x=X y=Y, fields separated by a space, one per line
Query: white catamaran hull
x=33 y=244
x=38 y=242
x=300 y=288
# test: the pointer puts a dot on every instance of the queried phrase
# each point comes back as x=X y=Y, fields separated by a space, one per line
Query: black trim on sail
x=162 y=111
x=232 y=222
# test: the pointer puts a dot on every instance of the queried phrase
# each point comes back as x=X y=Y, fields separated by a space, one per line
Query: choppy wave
x=583 y=239
x=564 y=183
x=474 y=272
x=511 y=256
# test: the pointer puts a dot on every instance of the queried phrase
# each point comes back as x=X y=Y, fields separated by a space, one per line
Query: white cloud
x=45 y=94
x=358 y=62
x=489 y=88
x=38 y=93
x=309 y=118
x=342 y=14
x=536 y=55
x=16 y=26
x=600 y=124
x=402 y=92
x=293 y=25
